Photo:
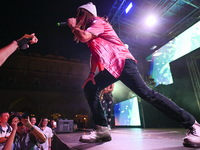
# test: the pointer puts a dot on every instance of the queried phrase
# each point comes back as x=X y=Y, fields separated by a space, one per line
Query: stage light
x=153 y=47
x=129 y=7
x=151 y=20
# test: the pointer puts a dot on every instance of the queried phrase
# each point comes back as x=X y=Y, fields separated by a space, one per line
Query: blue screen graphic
x=184 y=43
x=127 y=113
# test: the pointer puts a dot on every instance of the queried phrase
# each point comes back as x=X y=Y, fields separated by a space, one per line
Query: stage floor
x=130 y=139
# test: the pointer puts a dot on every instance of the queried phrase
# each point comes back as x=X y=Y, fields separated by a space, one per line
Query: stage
x=125 y=139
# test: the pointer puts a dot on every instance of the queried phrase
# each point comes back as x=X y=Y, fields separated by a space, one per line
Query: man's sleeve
x=96 y=28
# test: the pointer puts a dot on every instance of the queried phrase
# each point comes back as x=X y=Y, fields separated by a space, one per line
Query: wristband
x=22 y=44
x=92 y=72
x=31 y=129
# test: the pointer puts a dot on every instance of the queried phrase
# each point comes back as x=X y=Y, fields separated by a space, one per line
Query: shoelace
x=191 y=131
x=93 y=132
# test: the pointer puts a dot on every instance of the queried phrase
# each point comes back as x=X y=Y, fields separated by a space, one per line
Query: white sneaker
x=192 y=138
x=109 y=128
x=101 y=134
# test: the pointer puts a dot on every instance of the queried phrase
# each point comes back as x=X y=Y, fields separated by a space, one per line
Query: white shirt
x=48 y=132
x=4 y=133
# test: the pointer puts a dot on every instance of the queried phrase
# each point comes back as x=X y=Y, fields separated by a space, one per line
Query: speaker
x=64 y=126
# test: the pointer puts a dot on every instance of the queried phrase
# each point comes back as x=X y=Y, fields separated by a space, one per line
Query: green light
x=58 y=24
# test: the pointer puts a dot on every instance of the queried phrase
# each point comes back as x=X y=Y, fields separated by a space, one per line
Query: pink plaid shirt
x=107 y=48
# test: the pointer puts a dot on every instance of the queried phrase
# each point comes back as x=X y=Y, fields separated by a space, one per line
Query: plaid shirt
x=25 y=143
x=108 y=50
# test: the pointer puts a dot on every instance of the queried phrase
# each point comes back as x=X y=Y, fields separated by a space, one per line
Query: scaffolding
x=174 y=17
x=193 y=68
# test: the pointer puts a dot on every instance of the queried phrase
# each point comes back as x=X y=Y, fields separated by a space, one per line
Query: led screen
x=127 y=113
x=186 y=42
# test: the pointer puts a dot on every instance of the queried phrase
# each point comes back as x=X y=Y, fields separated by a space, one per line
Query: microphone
x=62 y=24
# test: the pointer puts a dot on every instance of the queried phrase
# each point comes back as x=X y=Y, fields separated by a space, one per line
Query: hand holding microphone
x=71 y=22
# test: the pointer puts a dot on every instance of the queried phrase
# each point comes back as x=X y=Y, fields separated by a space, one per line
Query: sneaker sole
x=191 y=144
x=104 y=139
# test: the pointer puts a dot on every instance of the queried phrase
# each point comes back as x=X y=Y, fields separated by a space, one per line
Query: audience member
x=9 y=143
x=5 y=129
x=26 y=140
x=150 y=82
x=33 y=120
x=107 y=98
x=53 y=125
x=48 y=132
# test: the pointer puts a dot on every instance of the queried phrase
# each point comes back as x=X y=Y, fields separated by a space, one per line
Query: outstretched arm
x=38 y=134
x=6 y=51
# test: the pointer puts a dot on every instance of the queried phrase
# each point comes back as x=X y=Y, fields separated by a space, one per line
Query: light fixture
x=129 y=7
x=153 y=47
x=151 y=20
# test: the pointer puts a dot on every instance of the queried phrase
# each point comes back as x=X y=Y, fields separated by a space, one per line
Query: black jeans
x=131 y=77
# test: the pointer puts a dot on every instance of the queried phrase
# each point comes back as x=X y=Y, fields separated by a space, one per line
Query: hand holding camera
x=14 y=123
x=25 y=120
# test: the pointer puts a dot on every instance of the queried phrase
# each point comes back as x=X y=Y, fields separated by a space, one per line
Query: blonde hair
x=86 y=19
x=84 y=22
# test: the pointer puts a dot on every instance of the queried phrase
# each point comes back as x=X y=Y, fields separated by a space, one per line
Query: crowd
x=19 y=131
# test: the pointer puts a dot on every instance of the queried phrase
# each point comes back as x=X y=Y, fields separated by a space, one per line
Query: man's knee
x=150 y=96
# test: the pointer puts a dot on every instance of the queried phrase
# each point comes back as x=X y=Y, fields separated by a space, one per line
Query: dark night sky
x=41 y=16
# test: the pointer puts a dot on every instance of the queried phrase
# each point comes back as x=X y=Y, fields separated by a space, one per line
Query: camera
x=23 y=116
